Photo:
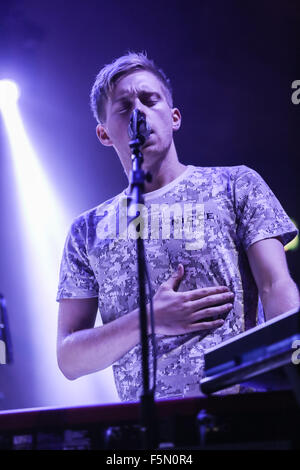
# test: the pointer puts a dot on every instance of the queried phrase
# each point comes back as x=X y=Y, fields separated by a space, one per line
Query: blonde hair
x=110 y=73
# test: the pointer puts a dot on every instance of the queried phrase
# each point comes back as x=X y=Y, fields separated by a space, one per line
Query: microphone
x=138 y=128
x=138 y=131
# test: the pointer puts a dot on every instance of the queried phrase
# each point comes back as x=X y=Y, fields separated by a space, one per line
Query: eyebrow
x=127 y=95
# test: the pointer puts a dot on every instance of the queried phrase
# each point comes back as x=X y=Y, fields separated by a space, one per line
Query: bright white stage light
x=9 y=93
x=44 y=228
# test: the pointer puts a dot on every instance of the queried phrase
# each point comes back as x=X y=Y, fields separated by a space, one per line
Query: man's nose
x=139 y=106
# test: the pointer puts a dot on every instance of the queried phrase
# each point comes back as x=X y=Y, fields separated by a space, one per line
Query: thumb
x=176 y=278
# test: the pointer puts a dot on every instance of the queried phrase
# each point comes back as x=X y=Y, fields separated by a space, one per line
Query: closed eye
x=146 y=98
x=124 y=107
x=150 y=102
x=149 y=99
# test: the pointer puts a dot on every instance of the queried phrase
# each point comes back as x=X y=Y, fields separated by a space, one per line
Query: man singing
x=207 y=281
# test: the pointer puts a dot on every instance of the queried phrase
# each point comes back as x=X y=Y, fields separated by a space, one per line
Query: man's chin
x=147 y=145
x=152 y=154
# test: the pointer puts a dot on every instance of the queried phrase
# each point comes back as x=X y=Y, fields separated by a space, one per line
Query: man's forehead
x=134 y=82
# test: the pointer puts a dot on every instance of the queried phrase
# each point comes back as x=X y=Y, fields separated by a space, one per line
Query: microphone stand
x=137 y=180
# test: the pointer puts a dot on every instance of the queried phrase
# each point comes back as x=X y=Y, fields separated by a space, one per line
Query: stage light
x=9 y=93
x=293 y=245
x=44 y=226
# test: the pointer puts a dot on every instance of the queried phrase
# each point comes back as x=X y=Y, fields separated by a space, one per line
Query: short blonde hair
x=110 y=73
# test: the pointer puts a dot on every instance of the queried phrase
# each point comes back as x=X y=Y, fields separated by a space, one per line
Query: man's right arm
x=83 y=349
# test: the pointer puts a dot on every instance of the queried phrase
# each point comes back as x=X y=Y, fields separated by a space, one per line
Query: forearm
x=280 y=297
x=90 y=350
x=83 y=349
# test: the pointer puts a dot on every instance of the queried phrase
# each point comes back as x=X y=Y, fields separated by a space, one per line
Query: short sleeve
x=76 y=278
x=259 y=213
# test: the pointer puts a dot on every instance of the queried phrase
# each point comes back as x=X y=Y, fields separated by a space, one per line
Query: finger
x=205 y=325
x=174 y=281
x=209 y=301
x=205 y=291
x=210 y=312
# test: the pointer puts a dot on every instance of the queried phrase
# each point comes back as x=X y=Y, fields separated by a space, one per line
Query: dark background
x=231 y=65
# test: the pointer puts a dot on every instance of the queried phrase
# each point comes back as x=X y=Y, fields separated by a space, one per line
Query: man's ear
x=103 y=135
x=176 y=117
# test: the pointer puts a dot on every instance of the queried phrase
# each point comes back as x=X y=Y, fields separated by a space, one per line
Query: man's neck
x=163 y=171
x=164 y=174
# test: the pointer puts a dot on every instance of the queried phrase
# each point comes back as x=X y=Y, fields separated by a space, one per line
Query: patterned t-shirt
x=205 y=219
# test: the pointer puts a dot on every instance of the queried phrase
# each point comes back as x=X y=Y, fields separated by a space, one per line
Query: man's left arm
x=277 y=290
